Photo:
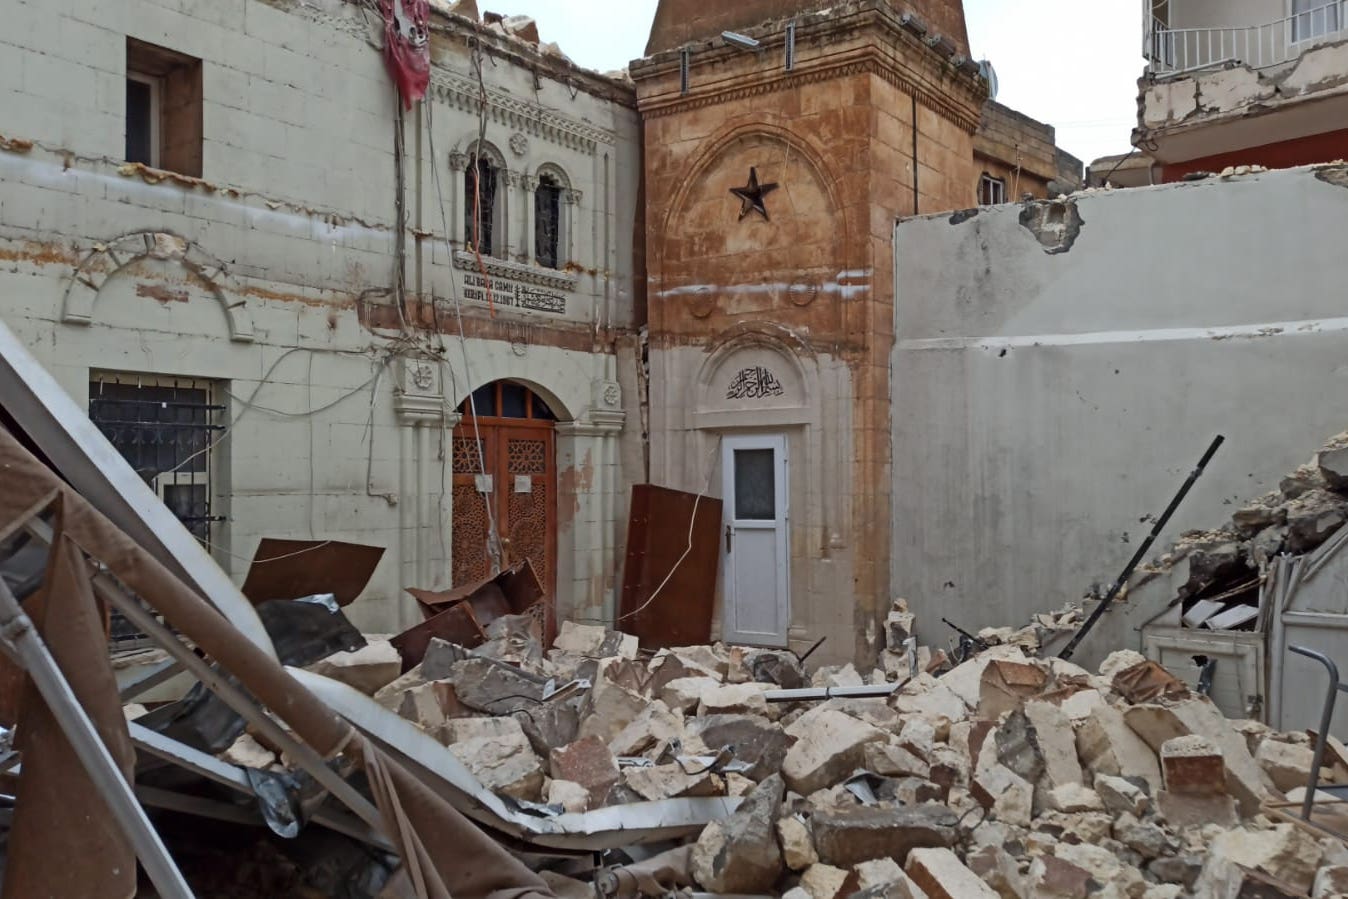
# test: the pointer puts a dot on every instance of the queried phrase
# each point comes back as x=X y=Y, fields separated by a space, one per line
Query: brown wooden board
x=657 y=536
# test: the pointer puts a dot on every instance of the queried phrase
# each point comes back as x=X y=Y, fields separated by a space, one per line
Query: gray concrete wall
x=292 y=228
x=1048 y=403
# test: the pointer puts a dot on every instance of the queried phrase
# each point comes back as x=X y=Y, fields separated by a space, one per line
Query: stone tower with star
x=782 y=140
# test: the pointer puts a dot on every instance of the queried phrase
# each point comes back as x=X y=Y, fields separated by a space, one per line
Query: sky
x=1073 y=69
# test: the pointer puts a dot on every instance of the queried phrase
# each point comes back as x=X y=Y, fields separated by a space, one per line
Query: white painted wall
x=1046 y=405
x=299 y=205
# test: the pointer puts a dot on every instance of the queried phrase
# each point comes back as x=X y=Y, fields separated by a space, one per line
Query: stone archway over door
x=516 y=473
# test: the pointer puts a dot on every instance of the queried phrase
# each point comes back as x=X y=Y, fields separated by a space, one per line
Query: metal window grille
x=480 y=205
x=163 y=427
x=548 y=222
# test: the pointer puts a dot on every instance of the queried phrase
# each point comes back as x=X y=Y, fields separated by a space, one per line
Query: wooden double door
x=505 y=474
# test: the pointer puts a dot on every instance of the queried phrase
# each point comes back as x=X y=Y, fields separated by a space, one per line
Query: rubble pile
x=1224 y=565
x=1004 y=775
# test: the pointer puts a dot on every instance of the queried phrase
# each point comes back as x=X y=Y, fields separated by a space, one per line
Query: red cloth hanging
x=407 y=46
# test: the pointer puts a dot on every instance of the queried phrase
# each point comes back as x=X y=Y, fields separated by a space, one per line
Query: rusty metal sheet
x=456 y=624
x=519 y=584
x=462 y=615
x=290 y=569
x=657 y=537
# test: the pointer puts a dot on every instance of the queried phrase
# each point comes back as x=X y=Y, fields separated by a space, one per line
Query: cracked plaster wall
x=1045 y=404
x=297 y=199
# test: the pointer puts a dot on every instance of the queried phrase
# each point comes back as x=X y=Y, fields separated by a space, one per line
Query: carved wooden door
x=505 y=473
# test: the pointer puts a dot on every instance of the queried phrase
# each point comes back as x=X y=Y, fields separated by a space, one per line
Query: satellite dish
x=990 y=75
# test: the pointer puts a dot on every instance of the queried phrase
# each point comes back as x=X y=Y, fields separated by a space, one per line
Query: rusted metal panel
x=657 y=539
x=461 y=615
x=290 y=569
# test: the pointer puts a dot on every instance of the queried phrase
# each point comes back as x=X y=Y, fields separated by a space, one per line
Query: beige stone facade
x=1022 y=154
x=867 y=119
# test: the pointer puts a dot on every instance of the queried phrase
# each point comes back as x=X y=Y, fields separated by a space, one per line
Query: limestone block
x=685 y=693
x=1143 y=837
x=878 y=872
x=1081 y=827
x=1106 y=745
x=846 y=837
x=656 y=725
x=823 y=881
x=1120 y=795
x=1285 y=852
x=249 y=753
x=368 y=669
x=919 y=736
x=669 y=781
x=1051 y=877
x=1330 y=881
x=756 y=740
x=829 y=747
x=1192 y=765
x=589 y=763
x=733 y=699
x=740 y=854
x=1179 y=810
x=890 y=760
x=1104 y=866
x=1009 y=797
x=1056 y=739
x=1072 y=798
x=1286 y=764
x=797 y=843
x=941 y=875
x=421 y=706
x=998 y=869
x=610 y=708
x=571 y=796
x=503 y=763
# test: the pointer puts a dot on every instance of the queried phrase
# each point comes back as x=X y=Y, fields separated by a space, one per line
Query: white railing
x=1259 y=46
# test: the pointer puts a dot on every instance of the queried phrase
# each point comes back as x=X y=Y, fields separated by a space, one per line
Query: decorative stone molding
x=517 y=271
x=419 y=395
x=458 y=161
x=573 y=197
x=521 y=115
x=519 y=144
x=105 y=260
x=599 y=425
x=936 y=102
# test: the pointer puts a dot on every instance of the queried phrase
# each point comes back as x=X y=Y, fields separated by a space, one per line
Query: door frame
x=778 y=443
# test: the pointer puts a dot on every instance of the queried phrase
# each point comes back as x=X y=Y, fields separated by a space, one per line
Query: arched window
x=481 y=180
x=548 y=221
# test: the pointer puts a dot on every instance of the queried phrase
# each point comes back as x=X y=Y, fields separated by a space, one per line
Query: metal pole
x=1326 y=716
x=17 y=628
x=1142 y=550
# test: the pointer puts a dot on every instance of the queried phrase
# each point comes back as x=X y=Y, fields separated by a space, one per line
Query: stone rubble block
x=589 y=763
x=683 y=694
x=890 y=760
x=368 y=669
x=829 y=747
x=850 y=836
x=1106 y=745
x=1285 y=852
x=740 y=854
x=1121 y=795
x=1288 y=765
x=503 y=761
x=797 y=843
x=733 y=699
x=670 y=781
x=877 y=873
x=1051 y=877
x=823 y=881
x=656 y=725
x=610 y=709
x=1007 y=796
x=570 y=796
x=1193 y=766
x=998 y=869
x=1056 y=739
x=941 y=875
x=755 y=739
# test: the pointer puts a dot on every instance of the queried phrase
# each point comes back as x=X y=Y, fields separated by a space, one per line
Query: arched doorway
x=514 y=475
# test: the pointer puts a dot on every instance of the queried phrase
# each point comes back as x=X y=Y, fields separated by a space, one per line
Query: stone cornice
x=513 y=112
x=905 y=73
x=966 y=118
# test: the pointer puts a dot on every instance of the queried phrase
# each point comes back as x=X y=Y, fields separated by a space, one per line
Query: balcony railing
x=1172 y=51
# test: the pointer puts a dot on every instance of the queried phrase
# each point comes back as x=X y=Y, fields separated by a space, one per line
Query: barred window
x=548 y=222
x=480 y=182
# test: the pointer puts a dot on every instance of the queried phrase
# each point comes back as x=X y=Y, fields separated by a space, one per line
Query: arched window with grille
x=481 y=182
x=548 y=221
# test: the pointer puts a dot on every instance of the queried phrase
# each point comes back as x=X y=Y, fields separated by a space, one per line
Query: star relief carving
x=751 y=195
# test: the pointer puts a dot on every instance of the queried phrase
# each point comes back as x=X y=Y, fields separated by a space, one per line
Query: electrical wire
x=494 y=548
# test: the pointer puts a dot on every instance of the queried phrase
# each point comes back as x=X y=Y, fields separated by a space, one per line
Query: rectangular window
x=1314 y=18
x=548 y=223
x=163 y=108
x=755 y=485
x=480 y=198
x=991 y=191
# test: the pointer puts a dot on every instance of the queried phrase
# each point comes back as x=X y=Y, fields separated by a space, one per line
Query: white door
x=757 y=559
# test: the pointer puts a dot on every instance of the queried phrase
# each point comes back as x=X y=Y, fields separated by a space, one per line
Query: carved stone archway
x=106 y=260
